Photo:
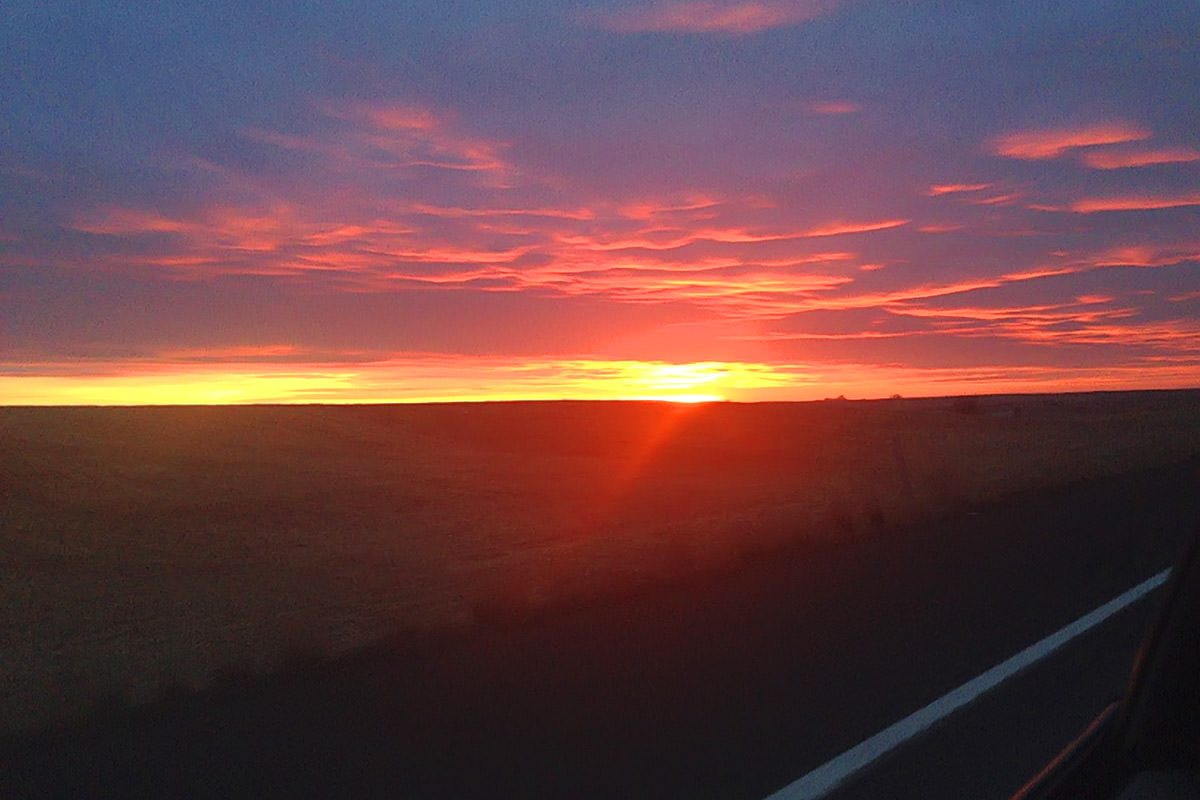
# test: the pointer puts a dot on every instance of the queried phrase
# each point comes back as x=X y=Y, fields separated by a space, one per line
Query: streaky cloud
x=706 y=16
x=1149 y=202
x=1146 y=255
x=939 y=189
x=834 y=107
x=1041 y=144
x=842 y=228
x=675 y=238
x=1109 y=159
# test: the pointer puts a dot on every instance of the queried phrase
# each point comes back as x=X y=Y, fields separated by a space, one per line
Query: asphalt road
x=727 y=685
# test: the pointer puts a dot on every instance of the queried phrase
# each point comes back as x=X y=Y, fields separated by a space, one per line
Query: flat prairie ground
x=149 y=549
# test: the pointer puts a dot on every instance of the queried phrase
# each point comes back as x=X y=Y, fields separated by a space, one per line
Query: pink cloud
x=731 y=257
x=996 y=200
x=650 y=208
x=956 y=188
x=337 y=228
x=218 y=234
x=1146 y=255
x=122 y=221
x=1092 y=205
x=1020 y=319
x=400 y=117
x=392 y=134
x=1176 y=335
x=293 y=142
x=1088 y=319
x=453 y=255
x=878 y=299
x=813 y=258
x=673 y=238
x=1133 y=255
x=734 y=292
x=841 y=228
x=1052 y=143
x=707 y=16
x=349 y=238
x=926 y=291
x=457 y=212
x=1039 y=272
x=834 y=107
x=1108 y=159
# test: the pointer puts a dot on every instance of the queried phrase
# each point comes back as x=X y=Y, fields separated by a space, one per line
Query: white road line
x=830 y=775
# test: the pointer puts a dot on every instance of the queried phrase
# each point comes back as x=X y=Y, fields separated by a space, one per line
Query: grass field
x=148 y=548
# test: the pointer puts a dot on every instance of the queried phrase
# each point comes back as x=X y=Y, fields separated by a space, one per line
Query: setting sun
x=686 y=398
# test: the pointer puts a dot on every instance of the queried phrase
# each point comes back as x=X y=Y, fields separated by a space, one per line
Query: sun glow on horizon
x=413 y=380
x=440 y=379
x=686 y=399
x=679 y=383
x=362 y=231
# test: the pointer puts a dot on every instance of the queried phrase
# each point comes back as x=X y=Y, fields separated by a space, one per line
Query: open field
x=157 y=547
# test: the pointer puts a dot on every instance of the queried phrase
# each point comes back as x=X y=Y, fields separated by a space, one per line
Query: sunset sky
x=751 y=200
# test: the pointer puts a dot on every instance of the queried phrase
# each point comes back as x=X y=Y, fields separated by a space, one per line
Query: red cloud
x=1040 y=144
x=1107 y=159
x=705 y=16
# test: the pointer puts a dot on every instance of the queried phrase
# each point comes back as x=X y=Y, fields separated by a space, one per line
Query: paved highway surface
x=730 y=685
